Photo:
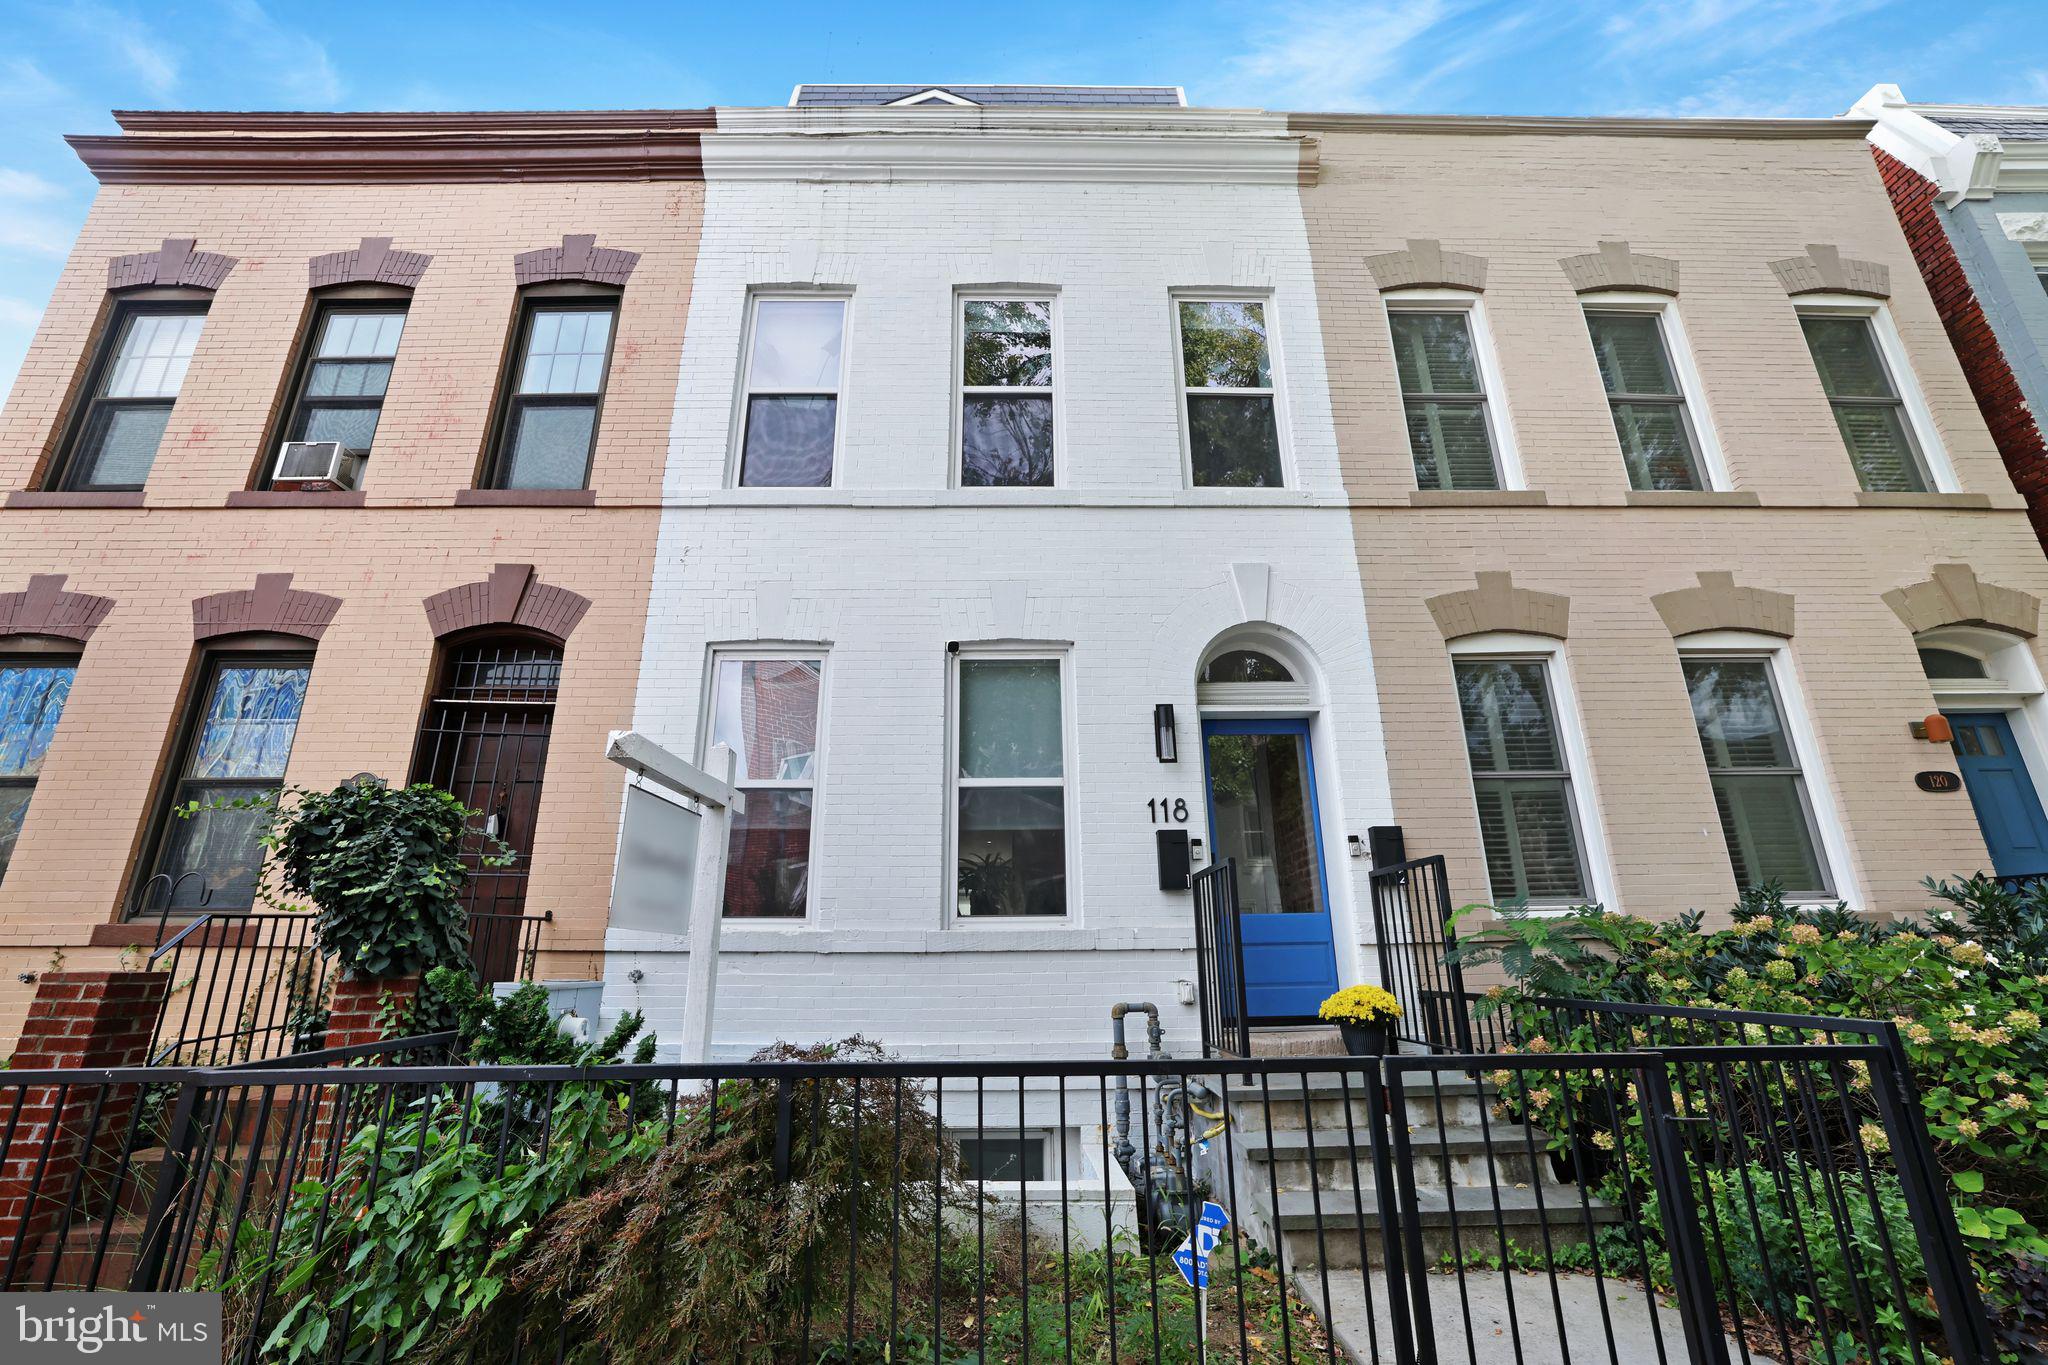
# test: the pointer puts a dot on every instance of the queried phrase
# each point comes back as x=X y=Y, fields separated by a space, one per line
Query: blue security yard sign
x=1192 y=1260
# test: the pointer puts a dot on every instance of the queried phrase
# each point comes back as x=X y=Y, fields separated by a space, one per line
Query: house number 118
x=1174 y=812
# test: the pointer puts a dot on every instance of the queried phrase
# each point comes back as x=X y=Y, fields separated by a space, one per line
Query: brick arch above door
x=1955 y=596
x=513 y=595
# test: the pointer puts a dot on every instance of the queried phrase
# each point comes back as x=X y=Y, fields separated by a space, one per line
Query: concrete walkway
x=1569 y=1329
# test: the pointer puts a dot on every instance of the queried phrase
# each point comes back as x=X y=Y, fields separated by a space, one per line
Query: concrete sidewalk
x=1512 y=1318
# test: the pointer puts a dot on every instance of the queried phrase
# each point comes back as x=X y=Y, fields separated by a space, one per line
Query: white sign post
x=1192 y=1261
x=711 y=789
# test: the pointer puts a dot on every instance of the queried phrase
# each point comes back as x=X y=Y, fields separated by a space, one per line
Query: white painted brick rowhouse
x=1122 y=569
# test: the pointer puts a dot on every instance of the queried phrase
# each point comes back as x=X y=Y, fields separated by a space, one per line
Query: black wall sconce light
x=1163 y=741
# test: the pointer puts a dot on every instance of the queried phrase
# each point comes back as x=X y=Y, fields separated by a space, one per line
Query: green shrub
x=1967 y=987
x=1775 y=1240
x=382 y=867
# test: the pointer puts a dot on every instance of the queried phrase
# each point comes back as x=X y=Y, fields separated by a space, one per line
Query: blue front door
x=1263 y=813
x=2008 y=808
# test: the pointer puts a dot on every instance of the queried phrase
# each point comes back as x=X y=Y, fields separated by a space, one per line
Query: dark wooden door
x=485 y=738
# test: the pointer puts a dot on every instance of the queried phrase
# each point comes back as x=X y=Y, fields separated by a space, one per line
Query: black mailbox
x=1174 y=865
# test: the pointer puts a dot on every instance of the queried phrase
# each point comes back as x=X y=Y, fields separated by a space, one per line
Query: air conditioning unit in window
x=317 y=467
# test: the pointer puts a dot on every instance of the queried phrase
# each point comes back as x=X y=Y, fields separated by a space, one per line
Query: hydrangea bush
x=1967 y=985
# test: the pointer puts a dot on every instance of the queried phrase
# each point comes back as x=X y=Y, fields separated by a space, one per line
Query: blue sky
x=64 y=65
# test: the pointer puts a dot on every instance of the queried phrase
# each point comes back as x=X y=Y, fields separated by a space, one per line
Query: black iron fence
x=1738 y=1202
x=1219 y=962
x=1412 y=920
x=251 y=984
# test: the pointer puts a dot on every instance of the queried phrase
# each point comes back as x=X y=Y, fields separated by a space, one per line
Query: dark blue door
x=2008 y=807
x=1262 y=812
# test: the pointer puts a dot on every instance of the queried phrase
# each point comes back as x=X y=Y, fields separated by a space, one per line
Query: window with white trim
x=1863 y=375
x=1228 y=392
x=1521 y=780
x=765 y=708
x=1643 y=370
x=1760 y=792
x=1443 y=362
x=1006 y=392
x=789 y=421
x=1009 y=806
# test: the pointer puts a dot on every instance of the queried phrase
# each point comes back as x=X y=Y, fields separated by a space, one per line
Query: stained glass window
x=32 y=697
x=235 y=754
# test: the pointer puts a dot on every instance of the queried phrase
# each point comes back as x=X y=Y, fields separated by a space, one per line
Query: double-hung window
x=140 y=372
x=559 y=365
x=1010 y=806
x=766 y=710
x=1227 y=387
x=1522 y=780
x=1759 y=789
x=790 y=422
x=1869 y=409
x=1006 y=393
x=345 y=373
x=32 y=696
x=1659 y=444
x=1450 y=432
x=236 y=743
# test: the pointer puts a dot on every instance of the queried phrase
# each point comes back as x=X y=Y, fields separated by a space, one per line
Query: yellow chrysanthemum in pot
x=1365 y=1015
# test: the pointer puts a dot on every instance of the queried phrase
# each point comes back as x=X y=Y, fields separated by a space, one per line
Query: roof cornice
x=1962 y=166
x=979 y=144
x=326 y=157
x=1766 y=129
x=427 y=121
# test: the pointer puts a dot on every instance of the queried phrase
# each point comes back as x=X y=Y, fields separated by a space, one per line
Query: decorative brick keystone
x=63 y=1144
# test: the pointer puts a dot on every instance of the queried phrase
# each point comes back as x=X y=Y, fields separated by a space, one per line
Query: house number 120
x=1174 y=812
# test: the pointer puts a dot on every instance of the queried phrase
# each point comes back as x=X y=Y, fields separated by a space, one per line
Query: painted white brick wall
x=1122 y=565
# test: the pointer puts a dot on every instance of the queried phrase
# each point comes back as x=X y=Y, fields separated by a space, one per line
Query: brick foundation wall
x=63 y=1142
x=1991 y=378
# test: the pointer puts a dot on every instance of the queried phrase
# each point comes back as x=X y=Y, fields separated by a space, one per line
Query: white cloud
x=1343 y=56
x=24 y=84
x=1714 y=30
x=146 y=55
x=26 y=222
x=291 y=61
x=27 y=185
x=19 y=313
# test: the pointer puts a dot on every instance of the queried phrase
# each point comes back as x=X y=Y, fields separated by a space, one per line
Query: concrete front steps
x=1302 y=1164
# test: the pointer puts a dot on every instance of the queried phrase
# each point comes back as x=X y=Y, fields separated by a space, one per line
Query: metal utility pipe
x=1120 y=1051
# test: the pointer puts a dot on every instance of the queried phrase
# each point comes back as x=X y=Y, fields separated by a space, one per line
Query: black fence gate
x=1219 y=962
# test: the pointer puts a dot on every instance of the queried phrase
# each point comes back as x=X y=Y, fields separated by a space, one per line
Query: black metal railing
x=1412 y=920
x=1752 y=1201
x=244 y=984
x=1219 y=962
x=505 y=947
x=251 y=984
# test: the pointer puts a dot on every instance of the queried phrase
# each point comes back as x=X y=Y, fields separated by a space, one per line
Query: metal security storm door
x=485 y=738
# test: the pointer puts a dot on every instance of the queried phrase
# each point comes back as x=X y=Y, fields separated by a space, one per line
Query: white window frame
x=1277 y=390
x=1021 y=652
x=1678 y=350
x=1500 y=422
x=1564 y=700
x=736 y=456
x=1891 y=349
x=1045 y=294
x=777 y=652
x=1828 y=827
